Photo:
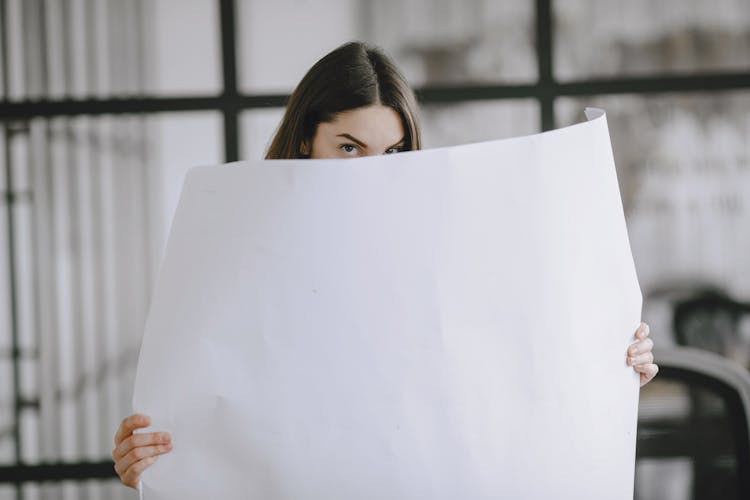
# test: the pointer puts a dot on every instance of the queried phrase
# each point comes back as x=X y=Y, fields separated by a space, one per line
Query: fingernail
x=631 y=361
x=634 y=350
x=164 y=437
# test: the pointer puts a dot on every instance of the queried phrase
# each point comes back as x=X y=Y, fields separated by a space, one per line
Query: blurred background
x=105 y=104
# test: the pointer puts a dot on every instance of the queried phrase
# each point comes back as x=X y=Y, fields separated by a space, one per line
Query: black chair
x=710 y=319
x=693 y=437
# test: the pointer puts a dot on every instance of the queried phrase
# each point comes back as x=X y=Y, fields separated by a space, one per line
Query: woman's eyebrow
x=352 y=138
x=365 y=146
x=396 y=143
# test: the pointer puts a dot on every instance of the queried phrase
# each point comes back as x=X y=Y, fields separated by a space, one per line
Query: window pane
x=7 y=400
x=185 y=52
x=432 y=41
x=461 y=123
x=181 y=141
x=683 y=163
x=15 y=43
x=79 y=49
x=448 y=42
x=7 y=492
x=256 y=129
x=278 y=41
x=94 y=200
x=642 y=37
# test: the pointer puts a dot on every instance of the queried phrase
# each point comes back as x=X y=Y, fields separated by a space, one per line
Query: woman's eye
x=349 y=148
x=391 y=151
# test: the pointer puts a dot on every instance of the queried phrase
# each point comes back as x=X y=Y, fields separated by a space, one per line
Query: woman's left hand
x=640 y=356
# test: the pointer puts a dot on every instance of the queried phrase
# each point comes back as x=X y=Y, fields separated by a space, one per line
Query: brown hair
x=352 y=76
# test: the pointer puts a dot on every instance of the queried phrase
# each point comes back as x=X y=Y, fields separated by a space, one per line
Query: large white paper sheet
x=443 y=324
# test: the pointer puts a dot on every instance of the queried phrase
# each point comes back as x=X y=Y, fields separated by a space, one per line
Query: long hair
x=352 y=76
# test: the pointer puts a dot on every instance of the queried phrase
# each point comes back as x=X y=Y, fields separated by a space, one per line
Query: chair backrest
x=712 y=320
x=694 y=429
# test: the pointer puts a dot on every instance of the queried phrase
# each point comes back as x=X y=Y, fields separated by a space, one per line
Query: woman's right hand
x=133 y=453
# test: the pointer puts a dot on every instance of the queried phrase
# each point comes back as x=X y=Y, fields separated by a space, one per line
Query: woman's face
x=366 y=131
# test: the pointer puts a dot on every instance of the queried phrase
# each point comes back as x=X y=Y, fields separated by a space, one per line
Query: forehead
x=375 y=125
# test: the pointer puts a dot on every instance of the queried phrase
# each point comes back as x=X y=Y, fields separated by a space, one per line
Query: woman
x=353 y=102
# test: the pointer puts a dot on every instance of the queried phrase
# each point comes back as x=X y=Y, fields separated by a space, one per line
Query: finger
x=648 y=372
x=643 y=331
x=137 y=454
x=137 y=440
x=641 y=359
x=642 y=346
x=647 y=369
x=132 y=475
x=130 y=424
